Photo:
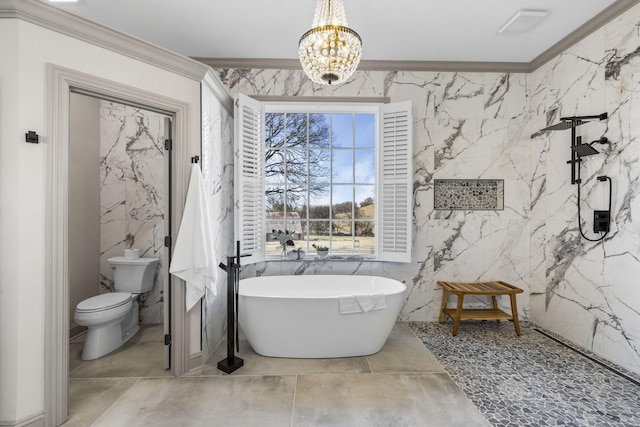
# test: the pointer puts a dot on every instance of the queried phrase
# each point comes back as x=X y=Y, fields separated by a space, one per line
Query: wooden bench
x=491 y=289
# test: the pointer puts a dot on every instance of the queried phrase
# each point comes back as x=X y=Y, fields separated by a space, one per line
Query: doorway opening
x=62 y=83
x=119 y=195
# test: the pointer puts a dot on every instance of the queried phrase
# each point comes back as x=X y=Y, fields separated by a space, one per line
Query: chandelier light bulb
x=330 y=51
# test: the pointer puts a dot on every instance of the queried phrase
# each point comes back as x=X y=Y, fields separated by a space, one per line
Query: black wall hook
x=31 y=137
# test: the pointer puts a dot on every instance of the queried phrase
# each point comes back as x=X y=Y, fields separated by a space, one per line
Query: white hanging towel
x=194 y=260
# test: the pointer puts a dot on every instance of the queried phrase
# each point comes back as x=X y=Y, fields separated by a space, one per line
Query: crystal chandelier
x=330 y=51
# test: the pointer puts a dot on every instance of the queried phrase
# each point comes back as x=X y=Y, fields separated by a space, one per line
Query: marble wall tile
x=479 y=125
x=269 y=82
x=505 y=94
x=588 y=296
x=461 y=96
x=490 y=145
x=575 y=75
x=419 y=87
x=132 y=194
x=217 y=172
x=480 y=250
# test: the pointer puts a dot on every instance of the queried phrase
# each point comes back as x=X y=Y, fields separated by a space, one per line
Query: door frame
x=60 y=82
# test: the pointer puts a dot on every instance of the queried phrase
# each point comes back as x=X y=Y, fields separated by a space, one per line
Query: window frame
x=393 y=174
x=331 y=108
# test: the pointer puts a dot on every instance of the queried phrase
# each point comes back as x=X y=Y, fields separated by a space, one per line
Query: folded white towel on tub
x=371 y=302
x=349 y=305
x=361 y=303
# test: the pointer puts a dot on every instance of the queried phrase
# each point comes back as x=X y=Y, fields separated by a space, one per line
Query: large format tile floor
x=402 y=385
x=530 y=380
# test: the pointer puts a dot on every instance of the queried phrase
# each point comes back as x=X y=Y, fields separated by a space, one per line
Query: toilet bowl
x=112 y=318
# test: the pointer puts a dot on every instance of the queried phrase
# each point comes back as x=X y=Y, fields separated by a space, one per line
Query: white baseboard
x=195 y=360
x=36 y=420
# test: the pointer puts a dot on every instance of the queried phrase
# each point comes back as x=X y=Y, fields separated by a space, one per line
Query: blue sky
x=350 y=131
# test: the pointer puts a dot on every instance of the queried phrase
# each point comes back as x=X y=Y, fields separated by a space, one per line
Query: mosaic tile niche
x=469 y=194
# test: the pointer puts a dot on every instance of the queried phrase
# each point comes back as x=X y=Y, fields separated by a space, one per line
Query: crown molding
x=607 y=15
x=370 y=65
x=44 y=15
x=251 y=63
x=318 y=99
x=455 y=66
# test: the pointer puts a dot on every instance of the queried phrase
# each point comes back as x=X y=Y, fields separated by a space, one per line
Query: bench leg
x=494 y=300
x=456 y=321
x=514 y=313
x=443 y=306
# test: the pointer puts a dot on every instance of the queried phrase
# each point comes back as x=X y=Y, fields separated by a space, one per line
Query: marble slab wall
x=478 y=126
x=588 y=291
x=466 y=126
x=217 y=172
x=132 y=195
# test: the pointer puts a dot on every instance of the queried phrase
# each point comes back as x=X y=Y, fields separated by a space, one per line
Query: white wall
x=11 y=289
x=84 y=201
x=25 y=50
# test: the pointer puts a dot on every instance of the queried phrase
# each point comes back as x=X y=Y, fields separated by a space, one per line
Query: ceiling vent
x=523 y=21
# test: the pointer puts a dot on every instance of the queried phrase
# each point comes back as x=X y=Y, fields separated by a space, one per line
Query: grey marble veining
x=585 y=290
x=132 y=194
x=491 y=140
x=479 y=126
x=217 y=172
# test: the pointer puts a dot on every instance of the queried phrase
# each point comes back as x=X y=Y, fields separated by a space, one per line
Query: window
x=335 y=175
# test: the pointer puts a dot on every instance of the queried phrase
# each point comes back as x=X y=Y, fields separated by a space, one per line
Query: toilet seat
x=103 y=302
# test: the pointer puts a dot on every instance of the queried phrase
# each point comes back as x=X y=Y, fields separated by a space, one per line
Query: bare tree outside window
x=317 y=165
x=296 y=147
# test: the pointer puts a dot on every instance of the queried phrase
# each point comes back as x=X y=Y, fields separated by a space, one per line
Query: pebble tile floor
x=530 y=380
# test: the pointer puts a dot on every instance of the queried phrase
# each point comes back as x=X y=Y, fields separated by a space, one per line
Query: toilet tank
x=133 y=275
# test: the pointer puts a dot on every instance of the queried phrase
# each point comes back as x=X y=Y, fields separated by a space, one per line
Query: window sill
x=314 y=258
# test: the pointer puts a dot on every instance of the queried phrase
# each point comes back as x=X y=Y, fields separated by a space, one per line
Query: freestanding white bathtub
x=300 y=316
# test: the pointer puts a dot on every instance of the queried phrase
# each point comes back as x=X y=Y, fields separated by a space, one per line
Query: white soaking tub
x=304 y=316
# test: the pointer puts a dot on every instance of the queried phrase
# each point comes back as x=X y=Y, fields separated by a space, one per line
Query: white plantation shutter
x=394 y=210
x=249 y=177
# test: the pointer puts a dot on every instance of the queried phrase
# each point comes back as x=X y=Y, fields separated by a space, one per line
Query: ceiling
x=391 y=30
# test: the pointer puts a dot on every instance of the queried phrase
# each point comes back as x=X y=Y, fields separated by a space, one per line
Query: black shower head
x=570 y=123
x=564 y=125
x=584 y=150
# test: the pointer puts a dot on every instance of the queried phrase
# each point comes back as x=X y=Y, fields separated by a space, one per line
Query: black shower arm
x=602 y=116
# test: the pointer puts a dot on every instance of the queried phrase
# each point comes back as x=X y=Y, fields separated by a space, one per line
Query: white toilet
x=112 y=318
